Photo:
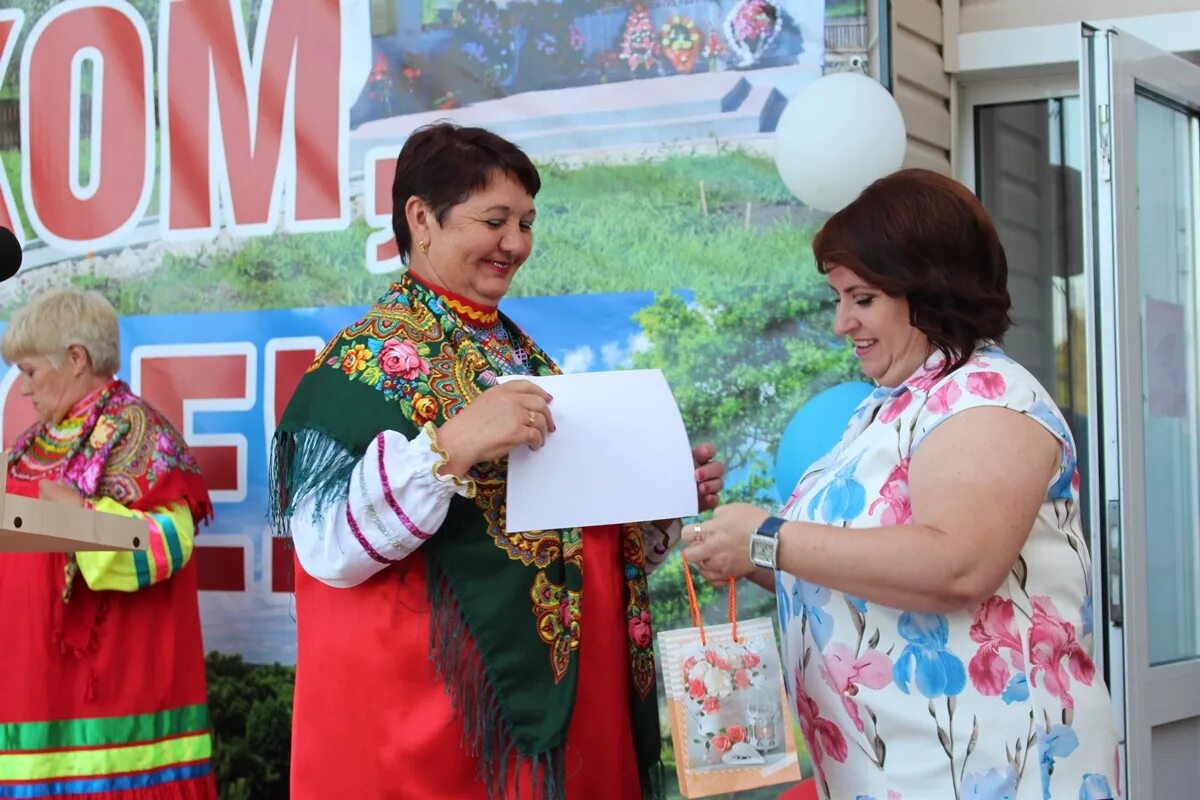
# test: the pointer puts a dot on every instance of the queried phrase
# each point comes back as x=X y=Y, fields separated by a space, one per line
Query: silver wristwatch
x=764 y=543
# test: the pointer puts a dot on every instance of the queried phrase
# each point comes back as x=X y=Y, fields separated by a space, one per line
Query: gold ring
x=698 y=533
x=532 y=418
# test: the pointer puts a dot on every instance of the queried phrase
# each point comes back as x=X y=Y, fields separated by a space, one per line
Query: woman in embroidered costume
x=440 y=655
x=932 y=572
x=104 y=693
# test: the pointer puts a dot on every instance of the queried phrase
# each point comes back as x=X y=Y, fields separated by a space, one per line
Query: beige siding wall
x=920 y=83
x=924 y=41
x=988 y=15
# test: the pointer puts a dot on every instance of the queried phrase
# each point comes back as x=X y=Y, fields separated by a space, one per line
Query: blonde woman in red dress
x=104 y=691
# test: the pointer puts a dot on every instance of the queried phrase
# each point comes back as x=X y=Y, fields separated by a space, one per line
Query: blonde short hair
x=60 y=318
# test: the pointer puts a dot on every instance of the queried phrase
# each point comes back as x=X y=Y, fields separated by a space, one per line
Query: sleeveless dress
x=1000 y=700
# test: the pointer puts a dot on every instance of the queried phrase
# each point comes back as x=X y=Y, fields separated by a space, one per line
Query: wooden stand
x=42 y=526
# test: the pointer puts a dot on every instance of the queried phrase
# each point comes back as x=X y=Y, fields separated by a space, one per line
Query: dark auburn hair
x=443 y=164
x=925 y=237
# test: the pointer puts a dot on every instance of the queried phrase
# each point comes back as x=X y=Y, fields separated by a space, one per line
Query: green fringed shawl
x=506 y=606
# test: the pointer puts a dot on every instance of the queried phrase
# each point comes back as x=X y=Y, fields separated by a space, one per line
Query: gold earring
x=424 y=246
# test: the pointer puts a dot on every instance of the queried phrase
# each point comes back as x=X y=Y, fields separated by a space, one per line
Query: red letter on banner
x=379 y=168
x=180 y=380
x=286 y=362
x=10 y=27
x=65 y=212
x=262 y=146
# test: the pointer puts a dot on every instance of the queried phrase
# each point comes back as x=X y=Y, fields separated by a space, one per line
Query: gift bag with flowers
x=726 y=704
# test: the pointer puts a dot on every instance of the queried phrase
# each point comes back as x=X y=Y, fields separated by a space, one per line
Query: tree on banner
x=741 y=363
x=639 y=42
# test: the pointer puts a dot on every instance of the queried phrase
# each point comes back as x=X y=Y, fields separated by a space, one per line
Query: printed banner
x=221 y=171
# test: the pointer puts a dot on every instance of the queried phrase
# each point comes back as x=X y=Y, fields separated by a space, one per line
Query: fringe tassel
x=302 y=463
x=654 y=782
x=485 y=733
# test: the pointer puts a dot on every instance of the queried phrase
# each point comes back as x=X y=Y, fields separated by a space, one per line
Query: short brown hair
x=922 y=236
x=443 y=164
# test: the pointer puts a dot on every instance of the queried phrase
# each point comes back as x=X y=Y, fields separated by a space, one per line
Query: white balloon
x=836 y=136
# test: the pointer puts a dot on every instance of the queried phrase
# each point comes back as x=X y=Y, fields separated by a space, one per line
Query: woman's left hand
x=710 y=475
x=721 y=546
x=59 y=493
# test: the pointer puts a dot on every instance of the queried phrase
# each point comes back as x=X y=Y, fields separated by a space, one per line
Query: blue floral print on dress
x=783 y=603
x=808 y=599
x=1061 y=490
x=1095 y=787
x=995 y=784
x=973 y=675
x=1060 y=742
x=925 y=661
x=841 y=500
x=1017 y=690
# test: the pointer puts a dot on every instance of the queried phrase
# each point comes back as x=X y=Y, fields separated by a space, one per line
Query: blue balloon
x=814 y=430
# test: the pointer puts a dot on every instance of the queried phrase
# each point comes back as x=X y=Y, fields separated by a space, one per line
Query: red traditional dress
x=103 y=693
x=438 y=655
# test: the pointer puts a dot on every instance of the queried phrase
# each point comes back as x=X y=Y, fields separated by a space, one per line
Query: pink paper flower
x=741 y=679
x=1051 y=641
x=711 y=704
x=722 y=742
x=844 y=673
x=736 y=733
x=696 y=689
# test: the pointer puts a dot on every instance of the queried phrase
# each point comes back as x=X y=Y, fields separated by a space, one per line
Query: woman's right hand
x=501 y=418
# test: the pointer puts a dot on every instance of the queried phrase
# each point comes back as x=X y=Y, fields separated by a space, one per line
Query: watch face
x=763 y=551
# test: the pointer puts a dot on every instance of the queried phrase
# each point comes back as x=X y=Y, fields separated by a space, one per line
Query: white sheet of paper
x=620 y=454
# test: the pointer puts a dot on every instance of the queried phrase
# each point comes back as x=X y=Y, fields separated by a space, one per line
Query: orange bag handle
x=694 y=604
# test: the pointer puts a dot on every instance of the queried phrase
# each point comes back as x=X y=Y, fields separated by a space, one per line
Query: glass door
x=1142 y=148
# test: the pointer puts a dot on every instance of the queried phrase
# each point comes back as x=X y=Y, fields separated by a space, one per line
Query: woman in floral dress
x=932 y=573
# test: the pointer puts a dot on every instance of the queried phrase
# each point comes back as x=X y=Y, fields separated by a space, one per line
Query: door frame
x=1118 y=64
x=1031 y=64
